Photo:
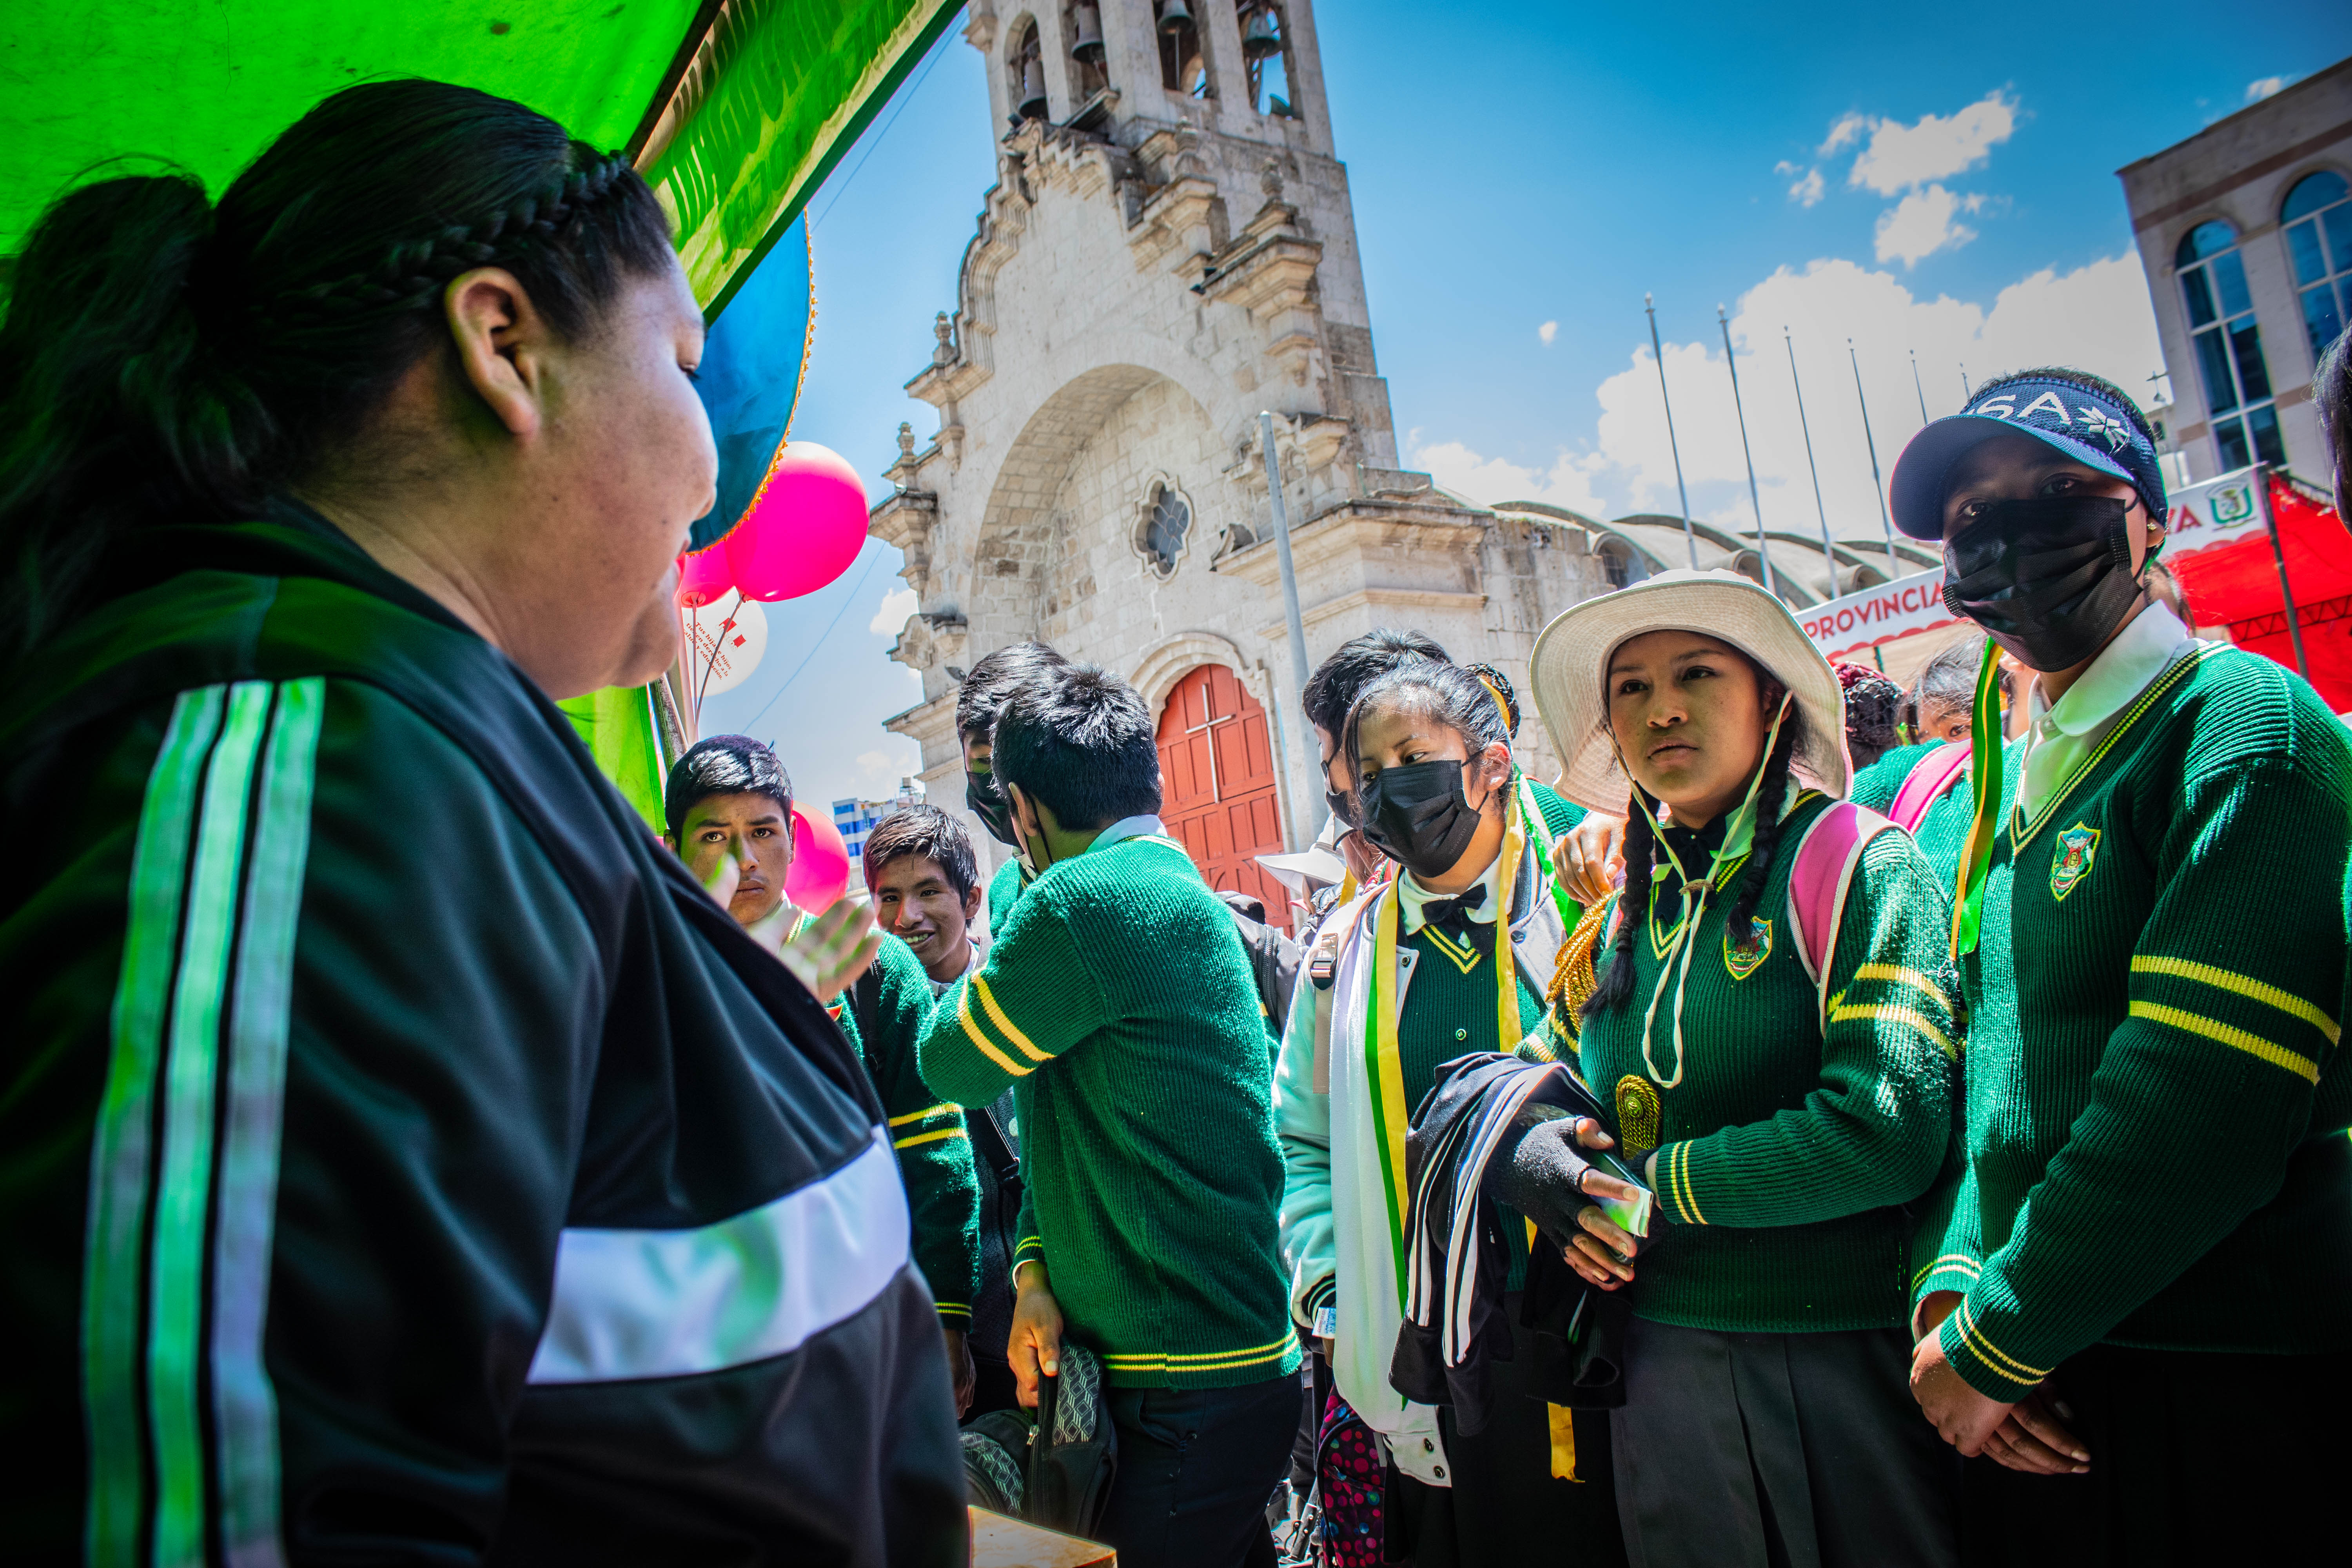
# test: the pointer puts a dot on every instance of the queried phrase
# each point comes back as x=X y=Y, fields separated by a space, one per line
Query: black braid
x=1769 y=800
x=1504 y=692
x=1616 y=978
x=413 y=273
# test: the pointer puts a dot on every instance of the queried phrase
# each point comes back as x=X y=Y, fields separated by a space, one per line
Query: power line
x=848 y=600
x=939 y=50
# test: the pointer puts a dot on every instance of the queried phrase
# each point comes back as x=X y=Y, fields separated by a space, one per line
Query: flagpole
x=1659 y=353
x=1965 y=393
x=1754 y=500
x=1918 y=388
x=1877 y=485
x=1829 y=549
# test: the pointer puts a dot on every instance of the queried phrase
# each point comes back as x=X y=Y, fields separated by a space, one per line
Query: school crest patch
x=1742 y=958
x=1637 y=1115
x=2071 y=859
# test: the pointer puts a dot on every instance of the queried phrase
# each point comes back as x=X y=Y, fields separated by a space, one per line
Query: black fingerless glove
x=1536 y=1170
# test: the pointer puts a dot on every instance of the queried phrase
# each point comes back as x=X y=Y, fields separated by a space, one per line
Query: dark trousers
x=1506 y=1507
x=2196 y=1457
x=1196 y=1467
x=1755 y=1450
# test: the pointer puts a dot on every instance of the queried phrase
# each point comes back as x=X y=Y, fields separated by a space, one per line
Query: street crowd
x=1821 y=1125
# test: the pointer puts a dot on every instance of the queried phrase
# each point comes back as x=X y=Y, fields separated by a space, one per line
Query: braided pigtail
x=166 y=360
x=1505 y=694
x=1770 y=796
x=1616 y=980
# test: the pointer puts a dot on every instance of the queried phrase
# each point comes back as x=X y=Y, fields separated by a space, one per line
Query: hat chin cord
x=1739 y=836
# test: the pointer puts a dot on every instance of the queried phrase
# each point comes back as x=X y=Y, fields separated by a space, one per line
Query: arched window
x=2229 y=347
x=1025 y=72
x=1082 y=25
x=1265 y=54
x=2318 y=219
x=1184 y=67
x=1162 y=532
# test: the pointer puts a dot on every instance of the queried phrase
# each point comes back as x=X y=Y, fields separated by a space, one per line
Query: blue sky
x=1938 y=181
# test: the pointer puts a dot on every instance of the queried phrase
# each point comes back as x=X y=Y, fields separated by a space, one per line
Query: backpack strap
x=1929 y=778
x=1826 y=858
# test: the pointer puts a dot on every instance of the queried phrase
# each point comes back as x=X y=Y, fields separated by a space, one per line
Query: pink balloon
x=703 y=578
x=820 y=870
x=804 y=527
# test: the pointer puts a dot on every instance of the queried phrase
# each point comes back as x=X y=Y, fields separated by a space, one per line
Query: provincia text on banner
x=1880 y=615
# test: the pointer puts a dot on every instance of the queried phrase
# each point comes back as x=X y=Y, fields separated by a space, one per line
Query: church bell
x=1032 y=89
x=1260 y=39
x=1086 y=21
x=1174 y=16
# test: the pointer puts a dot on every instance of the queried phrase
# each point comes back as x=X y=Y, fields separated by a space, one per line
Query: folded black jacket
x=402 y=1159
x=1454 y=1312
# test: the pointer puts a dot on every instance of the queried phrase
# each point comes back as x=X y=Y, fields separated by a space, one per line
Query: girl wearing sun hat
x=1784 y=1116
x=2150 y=929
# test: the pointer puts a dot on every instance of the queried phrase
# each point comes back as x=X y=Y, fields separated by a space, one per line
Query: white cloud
x=875 y=765
x=2258 y=90
x=1547 y=331
x=1899 y=157
x=2096 y=317
x=891 y=617
x=1844 y=133
x=1922 y=224
x=1808 y=191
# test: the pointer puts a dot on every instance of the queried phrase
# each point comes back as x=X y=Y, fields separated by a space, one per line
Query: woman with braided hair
x=1773 y=1025
x=408 y=1160
x=1452 y=956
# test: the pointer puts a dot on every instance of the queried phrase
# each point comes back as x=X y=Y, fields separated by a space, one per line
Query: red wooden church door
x=1216 y=780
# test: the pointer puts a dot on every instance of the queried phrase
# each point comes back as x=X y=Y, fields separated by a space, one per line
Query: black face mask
x=2048 y=580
x=986 y=802
x=1418 y=817
x=1343 y=806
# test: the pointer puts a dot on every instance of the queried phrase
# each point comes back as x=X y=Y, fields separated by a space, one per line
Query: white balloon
x=724 y=642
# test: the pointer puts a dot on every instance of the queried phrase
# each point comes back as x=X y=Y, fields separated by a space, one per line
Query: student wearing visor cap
x=2152 y=1240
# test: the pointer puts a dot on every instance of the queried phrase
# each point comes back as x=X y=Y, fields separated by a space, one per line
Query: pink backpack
x=1826 y=858
x=1931 y=777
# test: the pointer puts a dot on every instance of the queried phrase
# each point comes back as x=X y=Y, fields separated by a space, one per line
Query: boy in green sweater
x=1117 y=1004
x=2157 y=1230
x=729 y=799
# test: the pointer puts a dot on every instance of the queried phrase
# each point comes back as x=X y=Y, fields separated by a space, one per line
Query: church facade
x=1169 y=248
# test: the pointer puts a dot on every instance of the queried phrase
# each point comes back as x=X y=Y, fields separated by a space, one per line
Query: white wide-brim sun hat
x=1571 y=664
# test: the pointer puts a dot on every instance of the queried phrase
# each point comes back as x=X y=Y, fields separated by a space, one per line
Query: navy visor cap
x=2094 y=427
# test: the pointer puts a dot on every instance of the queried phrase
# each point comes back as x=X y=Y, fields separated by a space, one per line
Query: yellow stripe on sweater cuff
x=996 y=1016
x=987 y=1048
x=1984 y=1352
x=1898 y=975
x=943 y=1135
x=2235 y=1038
x=925 y=1114
x=1893 y=1013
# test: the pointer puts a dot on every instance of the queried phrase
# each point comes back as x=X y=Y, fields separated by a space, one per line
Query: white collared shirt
x=1412 y=896
x=2062 y=734
x=971 y=967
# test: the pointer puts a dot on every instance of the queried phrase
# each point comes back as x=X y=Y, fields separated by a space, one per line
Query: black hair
x=1616 y=978
x=2331 y=388
x=165 y=360
x=996 y=680
x=1337 y=682
x=1079 y=741
x=924 y=832
x=1874 y=706
x=1474 y=702
x=1948 y=683
x=723 y=764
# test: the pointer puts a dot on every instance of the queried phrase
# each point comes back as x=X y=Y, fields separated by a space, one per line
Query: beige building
x=2245 y=231
x=1169 y=249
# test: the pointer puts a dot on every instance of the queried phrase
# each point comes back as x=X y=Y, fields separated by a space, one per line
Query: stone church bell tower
x=1169 y=248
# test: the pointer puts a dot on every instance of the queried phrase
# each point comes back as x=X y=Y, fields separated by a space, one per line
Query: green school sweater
x=1449 y=1010
x=933 y=1146
x=1117 y=1003
x=1942 y=833
x=1005 y=890
x=1787 y=1150
x=2155 y=1136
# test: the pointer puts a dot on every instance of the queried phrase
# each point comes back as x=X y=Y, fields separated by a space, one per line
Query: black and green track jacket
x=402 y=1159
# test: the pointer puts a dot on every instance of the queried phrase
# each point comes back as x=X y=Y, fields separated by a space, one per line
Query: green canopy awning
x=741 y=108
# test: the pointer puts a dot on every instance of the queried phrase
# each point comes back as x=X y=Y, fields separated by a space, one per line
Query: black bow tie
x=1455 y=914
